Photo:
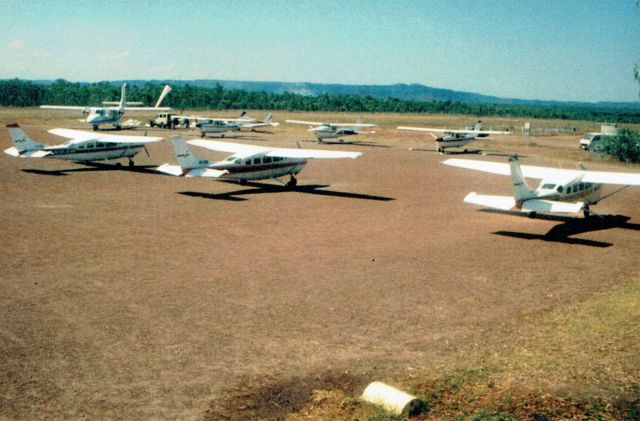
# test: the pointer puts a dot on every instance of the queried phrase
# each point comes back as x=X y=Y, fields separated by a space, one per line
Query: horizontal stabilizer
x=13 y=151
x=206 y=172
x=170 y=169
x=497 y=202
x=537 y=205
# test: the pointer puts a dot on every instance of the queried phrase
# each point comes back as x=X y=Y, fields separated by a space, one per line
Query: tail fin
x=186 y=158
x=20 y=139
x=521 y=190
x=123 y=97
x=242 y=114
x=164 y=93
x=268 y=118
x=478 y=125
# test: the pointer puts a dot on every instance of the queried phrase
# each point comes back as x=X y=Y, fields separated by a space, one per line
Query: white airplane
x=247 y=162
x=223 y=125
x=112 y=114
x=332 y=130
x=446 y=138
x=81 y=147
x=560 y=191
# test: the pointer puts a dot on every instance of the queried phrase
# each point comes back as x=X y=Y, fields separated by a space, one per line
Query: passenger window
x=247 y=162
x=559 y=189
x=267 y=159
x=257 y=161
x=569 y=189
x=277 y=158
x=238 y=161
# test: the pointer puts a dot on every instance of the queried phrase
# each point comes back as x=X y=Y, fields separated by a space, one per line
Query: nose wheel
x=292 y=182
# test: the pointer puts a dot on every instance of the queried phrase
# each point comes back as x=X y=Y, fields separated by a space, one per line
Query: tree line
x=20 y=93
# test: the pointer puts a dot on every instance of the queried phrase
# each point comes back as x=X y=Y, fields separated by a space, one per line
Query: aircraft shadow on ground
x=350 y=143
x=570 y=226
x=469 y=152
x=93 y=166
x=264 y=188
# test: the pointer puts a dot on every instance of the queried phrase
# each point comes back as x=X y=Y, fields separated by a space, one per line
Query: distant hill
x=412 y=92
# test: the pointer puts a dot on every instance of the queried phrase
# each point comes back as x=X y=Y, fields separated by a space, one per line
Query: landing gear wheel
x=202 y=134
x=118 y=127
x=95 y=128
x=586 y=212
x=293 y=182
x=222 y=135
x=131 y=163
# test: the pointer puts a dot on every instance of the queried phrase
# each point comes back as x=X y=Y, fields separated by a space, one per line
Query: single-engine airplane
x=248 y=162
x=81 y=147
x=113 y=111
x=223 y=125
x=332 y=130
x=446 y=138
x=560 y=191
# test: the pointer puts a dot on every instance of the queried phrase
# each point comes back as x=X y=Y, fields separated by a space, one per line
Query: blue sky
x=536 y=49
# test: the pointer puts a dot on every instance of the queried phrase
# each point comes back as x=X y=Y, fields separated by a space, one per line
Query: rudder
x=21 y=140
x=184 y=155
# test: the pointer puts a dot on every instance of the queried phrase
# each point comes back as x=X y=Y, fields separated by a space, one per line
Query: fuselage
x=328 y=132
x=93 y=151
x=571 y=191
x=257 y=167
x=99 y=116
x=216 y=126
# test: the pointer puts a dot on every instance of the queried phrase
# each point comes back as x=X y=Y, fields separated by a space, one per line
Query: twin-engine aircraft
x=113 y=111
x=82 y=146
x=248 y=162
x=332 y=130
x=446 y=138
x=560 y=191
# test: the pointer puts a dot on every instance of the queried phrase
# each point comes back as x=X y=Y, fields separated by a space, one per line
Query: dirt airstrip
x=127 y=294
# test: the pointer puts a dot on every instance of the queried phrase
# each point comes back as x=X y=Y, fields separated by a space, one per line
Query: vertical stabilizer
x=20 y=139
x=521 y=190
x=164 y=93
x=268 y=118
x=123 y=98
x=478 y=126
x=184 y=155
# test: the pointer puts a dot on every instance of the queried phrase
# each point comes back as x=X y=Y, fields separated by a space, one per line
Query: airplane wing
x=308 y=123
x=242 y=149
x=602 y=177
x=352 y=125
x=433 y=130
x=147 y=108
x=505 y=169
x=65 y=107
x=81 y=136
x=599 y=177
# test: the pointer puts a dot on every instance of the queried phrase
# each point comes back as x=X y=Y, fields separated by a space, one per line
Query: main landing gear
x=131 y=163
x=292 y=182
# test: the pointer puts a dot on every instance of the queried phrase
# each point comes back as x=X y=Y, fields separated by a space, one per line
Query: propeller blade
x=145 y=149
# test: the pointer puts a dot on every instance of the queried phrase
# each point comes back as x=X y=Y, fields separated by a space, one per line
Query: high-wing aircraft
x=81 y=147
x=247 y=162
x=560 y=191
x=110 y=113
x=332 y=130
x=223 y=125
x=446 y=138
